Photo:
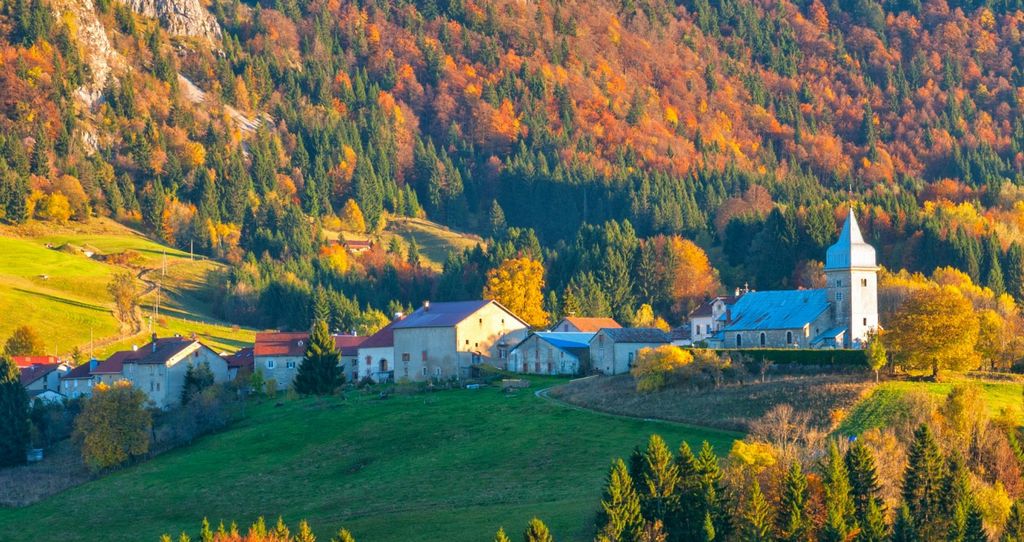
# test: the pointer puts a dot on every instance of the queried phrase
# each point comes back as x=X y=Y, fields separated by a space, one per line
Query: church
x=841 y=315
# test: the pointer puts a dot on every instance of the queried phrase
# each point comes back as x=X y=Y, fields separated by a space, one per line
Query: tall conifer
x=923 y=485
x=319 y=373
x=792 y=522
x=619 y=519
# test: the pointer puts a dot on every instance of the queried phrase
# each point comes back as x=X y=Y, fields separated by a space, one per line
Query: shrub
x=655 y=367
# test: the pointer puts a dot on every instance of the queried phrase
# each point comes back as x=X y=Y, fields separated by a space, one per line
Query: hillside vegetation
x=451 y=465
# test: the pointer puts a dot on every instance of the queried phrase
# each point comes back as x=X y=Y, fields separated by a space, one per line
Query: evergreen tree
x=708 y=533
x=14 y=426
x=321 y=305
x=319 y=372
x=496 y=221
x=1014 y=271
x=1013 y=530
x=414 y=252
x=923 y=485
x=345 y=536
x=536 y=531
x=975 y=528
x=713 y=497
x=197 y=379
x=756 y=521
x=872 y=525
x=500 y=536
x=619 y=519
x=864 y=488
x=840 y=514
x=792 y=522
x=956 y=499
x=903 y=528
x=658 y=496
x=688 y=522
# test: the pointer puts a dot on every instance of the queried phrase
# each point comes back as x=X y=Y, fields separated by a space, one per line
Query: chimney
x=135 y=348
x=426 y=306
x=154 y=342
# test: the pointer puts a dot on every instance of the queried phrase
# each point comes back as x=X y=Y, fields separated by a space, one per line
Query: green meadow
x=451 y=465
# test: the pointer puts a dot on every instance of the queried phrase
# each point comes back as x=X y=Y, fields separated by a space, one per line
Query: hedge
x=848 y=358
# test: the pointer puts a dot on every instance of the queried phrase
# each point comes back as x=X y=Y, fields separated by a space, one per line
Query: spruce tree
x=975 y=528
x=708 y=531
x=756 y=521
x=658 y=497
x=956 y=499
x=619 y=519
x=536 y=531
x=872 y=525
x=14 y=425
x=923 y=485
x=1013 y=530
x=792 y=522
x=714 y=501
x=688 y=522
x=864 y=488
x=321 y=305
x=345 y=536
x=500 y=536
x=840 y=515
x=1013 y=270
x=319 y=372
x=903 y=528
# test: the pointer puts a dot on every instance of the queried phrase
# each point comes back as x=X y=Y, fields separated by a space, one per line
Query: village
x=452 y=341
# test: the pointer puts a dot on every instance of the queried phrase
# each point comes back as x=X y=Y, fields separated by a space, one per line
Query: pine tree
x=321 y=305
x=956 y=499
x=280 y=530
x=872 y=525
x=792 y=522
x=619 y=519
x=688 y=523
x=344 y=536
x=708 y=531
x=756 y=520
x=500 y=536
x=14 y=424
x=305 y=534
x=536 y=531
x=496 y=221
x=864 y=488
x=319 y=372
x=205 y=534
x=923 y=484
x=1013 y=530
x=1013 y=270
x=658 y=490
x=840 y=518
x=975 y=528
x=714 y=500
x=903 y=528
x=414 y=252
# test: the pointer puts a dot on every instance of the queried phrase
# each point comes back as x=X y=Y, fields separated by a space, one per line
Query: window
x=551 y=368
x=739 y=340
x=630 y=358
x=290 y=365
x=157 y=386
x=270 y=364
x=839 y=283
x=789 y=337
x=708 y=329
x=481 y=321
x=864 y=283
x=839 y=296
x=383 y=365
x=600 y=340
x=764 y=339
x=424 y=371
x=865 y=321
x=369 y=361
x=536 y=367
x=424 y=356
x=405 y=356
x=437 y=371
x=467 y=342
x=526 y=367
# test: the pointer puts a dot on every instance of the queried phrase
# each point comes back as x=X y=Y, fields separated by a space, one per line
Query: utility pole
x=191 y=254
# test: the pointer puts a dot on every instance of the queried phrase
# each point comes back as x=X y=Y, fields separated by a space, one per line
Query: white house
x=43 y=376
x=278 y=355
x=710 y=317
x=612 y=351
x=158 y=369
x=376 y=357
x=79 y=381
x=551 y=353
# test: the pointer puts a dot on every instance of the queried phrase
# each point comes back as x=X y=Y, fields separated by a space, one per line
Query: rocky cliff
x=179 y=17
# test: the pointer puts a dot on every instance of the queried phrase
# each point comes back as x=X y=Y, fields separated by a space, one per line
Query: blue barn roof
x=782 y=309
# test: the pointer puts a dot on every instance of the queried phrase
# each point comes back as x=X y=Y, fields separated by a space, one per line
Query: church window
x=839 y=296
x=763 y=338
x=789 y=337
x=865 y=321
x=739 y=340
x=864 y=283
x=839 y=283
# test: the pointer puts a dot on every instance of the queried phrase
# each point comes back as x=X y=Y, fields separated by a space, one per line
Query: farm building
x=581 y=324
x=612 y=351
x=278 y=355
x=158 y=369
x=551 y=353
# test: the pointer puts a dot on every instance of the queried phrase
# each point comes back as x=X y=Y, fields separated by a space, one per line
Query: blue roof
x=566 y=339
x=783 y=309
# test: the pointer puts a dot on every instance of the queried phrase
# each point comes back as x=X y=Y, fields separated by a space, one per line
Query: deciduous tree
x=114 y=425
x=518 y=284
x=936 y=328
x=24 y=342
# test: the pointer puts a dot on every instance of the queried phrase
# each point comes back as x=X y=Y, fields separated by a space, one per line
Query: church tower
x=852 y=277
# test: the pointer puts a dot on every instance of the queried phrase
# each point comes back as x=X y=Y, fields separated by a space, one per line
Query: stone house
x=78 y=382
x=278 y=355
x=240 y=363
x=551 y=353
x=710 y=316
x=446 y=340
x=612 y=351
x=375 y=358
x=158 y=369
x=43 y=376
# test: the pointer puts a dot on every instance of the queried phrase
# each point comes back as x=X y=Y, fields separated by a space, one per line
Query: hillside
x=50 y=271
x=452 y=465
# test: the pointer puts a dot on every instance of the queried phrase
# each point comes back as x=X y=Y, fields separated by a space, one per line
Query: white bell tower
x=852 y=276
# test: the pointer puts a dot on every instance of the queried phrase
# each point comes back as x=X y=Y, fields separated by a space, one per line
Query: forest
x=644 y=152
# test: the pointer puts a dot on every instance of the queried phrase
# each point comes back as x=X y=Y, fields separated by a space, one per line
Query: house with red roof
x=78 y=382
x=240 y=363
x=580 y=324
x=158 y=369
x=28 y=361
x=277 y=355
x=43 y=377
x=376 y=356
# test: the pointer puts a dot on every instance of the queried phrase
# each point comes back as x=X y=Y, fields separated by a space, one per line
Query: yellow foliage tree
x=335 y=257
x=114 y=425
x=518 y=284
x=352 y=217
x=693 y=276
x=653 y=367
x=935 y=329
x=55 y=208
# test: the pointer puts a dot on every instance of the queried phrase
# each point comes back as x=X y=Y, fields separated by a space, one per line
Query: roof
x=384 y=338
x=705 y=309
x=566 y=340
x=681 y=333
x=850 y=250
x=34 y=372
x=281 y=344
x=348 y=345
x=589 y=324
x=240 y=360
x=780 y=309
x=637 y=335
x=82 y=371
x=446 y=314
x=115 y=363
x=160 y=351
x=27 y=361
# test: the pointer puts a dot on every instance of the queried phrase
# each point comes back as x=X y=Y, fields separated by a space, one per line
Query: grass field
x=886 y=401
x=451 y=466
x=48 y=282
x=434 y=240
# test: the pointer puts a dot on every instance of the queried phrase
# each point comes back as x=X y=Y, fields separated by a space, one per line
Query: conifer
x=661 y=475
x=714 y=501
x=14 y=419
x=689 y=519
x=305 y=534
x=205 y=534
x=281 y=530
x=500 y=536
x=872 y=525
x=975 y=527
x=1013 y=530
x=903 y=528
x=345 y=536
x=792 y=520
x=840 y=520
x=319 y=373
x=756 y=520
x=619 y=519
x=923 y=484
x=864 y=488
x=536 y=531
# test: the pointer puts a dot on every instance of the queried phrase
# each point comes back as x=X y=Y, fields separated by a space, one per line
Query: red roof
x=348 y=345
x=243 y=359
x=591 y=325
x=34 y=372
x=115 y=363
x=28 y=361
x=280 y=344
x=382 y=339
x=82 y=371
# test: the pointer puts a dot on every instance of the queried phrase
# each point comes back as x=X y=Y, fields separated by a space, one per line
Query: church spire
x=850 y=250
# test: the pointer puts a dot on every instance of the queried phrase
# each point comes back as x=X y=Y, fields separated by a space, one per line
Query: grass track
x=450 y=466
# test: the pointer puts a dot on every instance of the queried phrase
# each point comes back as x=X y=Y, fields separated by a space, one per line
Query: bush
x=654 y=368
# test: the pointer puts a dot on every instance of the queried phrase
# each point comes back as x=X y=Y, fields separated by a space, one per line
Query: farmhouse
x=551 y=353
x=79 y=381
x=711 y=316
x=42 y=377
x=240 y=363
x=158 y=369
x=445 y=340
x=584 y=325
x=612 y=351
x=278 y=355
x=375 y=358
x=841 y=315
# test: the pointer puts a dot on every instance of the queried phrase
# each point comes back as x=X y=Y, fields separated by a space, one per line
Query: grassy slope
x=72 y=305
x=434 y=240
x=450 y=466
x=885 y=403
